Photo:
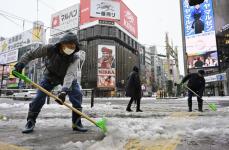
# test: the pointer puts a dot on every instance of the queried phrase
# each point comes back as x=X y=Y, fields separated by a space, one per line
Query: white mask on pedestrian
x=68 y=51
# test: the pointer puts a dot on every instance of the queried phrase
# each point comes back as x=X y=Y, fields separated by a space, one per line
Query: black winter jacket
x=196 y=82
x=133 y=88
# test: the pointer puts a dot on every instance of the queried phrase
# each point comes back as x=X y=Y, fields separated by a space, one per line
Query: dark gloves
x=62 y=96
x=19 y=67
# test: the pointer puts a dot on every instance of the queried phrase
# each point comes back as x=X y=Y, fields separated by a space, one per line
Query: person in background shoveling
x=133 y=89
x=196 y=82
x=62 y=67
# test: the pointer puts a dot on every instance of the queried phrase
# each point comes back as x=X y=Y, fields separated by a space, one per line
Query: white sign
x=20 y=40
x=64 y=20
x=105 y=9
x=9 y=56
x=217 y=77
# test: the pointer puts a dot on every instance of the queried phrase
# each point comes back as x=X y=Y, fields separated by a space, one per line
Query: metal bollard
x=92 y=97
x=48 y=100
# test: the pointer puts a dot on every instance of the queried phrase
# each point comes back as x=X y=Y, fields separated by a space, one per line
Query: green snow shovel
x=100 y=123
x=212 y=106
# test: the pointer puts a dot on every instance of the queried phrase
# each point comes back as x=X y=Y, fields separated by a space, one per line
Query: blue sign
x=198 y=18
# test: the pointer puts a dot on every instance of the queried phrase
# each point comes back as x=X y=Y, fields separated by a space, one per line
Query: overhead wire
x=6 y=17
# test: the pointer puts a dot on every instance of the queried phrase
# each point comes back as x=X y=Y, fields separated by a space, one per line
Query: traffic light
x=195 y=2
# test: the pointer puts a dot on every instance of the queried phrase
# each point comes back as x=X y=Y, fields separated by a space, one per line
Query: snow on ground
x=160 y=120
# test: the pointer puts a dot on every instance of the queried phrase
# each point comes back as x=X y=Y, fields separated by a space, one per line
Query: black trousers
x=199 y=100
x=138 y=101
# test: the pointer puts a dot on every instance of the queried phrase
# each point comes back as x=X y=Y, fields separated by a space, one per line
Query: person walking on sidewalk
x=62 y=66
x=133 y=89
x=196 y=82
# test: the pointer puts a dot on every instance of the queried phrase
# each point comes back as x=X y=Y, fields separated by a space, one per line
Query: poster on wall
x=106 y=66
x=200 y=38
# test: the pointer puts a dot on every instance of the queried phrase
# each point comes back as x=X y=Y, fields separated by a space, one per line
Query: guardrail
x=8 y=93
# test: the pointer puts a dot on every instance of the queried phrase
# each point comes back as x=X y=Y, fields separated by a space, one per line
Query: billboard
x=65 y=19
x=106 y=66
x=105 y=9
x=199 y=29
x=122 y=15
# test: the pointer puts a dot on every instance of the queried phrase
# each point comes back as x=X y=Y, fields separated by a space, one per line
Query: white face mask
x=68 y=51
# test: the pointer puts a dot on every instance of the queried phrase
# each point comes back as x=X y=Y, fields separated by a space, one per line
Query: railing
x=8 y=93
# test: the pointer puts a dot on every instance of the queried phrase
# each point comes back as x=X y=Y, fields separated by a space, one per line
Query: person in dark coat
x=62 y=66
x=133 y=89
x=196 y=82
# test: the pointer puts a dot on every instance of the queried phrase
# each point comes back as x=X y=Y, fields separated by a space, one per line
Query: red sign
x=55 y=21
x=128 y=20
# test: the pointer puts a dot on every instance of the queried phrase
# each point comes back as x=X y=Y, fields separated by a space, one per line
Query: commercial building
x=103 y=27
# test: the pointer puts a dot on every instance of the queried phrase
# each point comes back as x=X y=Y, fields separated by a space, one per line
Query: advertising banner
x=116 y=10
x=105 y=9
x=200 y=38
x=106 y=66
x=64 y=20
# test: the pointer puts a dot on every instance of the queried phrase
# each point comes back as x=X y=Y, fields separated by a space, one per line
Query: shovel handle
x=25 y=78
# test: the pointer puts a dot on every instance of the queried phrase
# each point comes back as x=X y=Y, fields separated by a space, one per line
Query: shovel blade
x=212 y=107
x=102 y=124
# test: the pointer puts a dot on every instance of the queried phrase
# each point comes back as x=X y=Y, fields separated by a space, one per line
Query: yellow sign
x=37 y=33
x=11 y=68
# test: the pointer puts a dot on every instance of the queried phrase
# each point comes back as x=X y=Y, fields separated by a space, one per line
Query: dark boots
x=31 y=120
x=76 y=122
x=138 y=105
x=190 y=105
x=200 y=105
x=129 y=105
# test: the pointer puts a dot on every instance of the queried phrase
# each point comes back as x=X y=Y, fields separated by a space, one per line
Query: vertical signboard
x=106 y=66
x=128 y=20
x=38 y=34
x=200 y=38
x=64 y=20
